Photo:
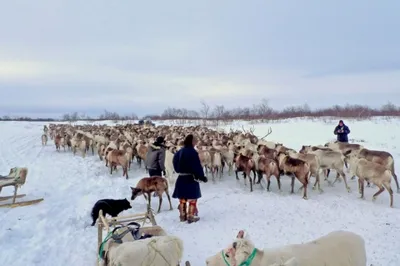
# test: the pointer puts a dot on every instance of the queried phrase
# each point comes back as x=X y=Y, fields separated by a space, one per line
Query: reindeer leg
x=361 y=188
x=268 y=183
x=381 y=189
x=169 y=199
x=251 y=182
x=345 y=181
x=305 y=188
x=159 y=201
x=389 y=189
x=236 y=173
x=317 y=182
x=292 y=185
x=149 y=202
x=278 y=180
x=260 y=174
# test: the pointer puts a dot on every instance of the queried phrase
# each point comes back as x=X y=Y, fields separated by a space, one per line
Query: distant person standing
x=342 y=131
x=155 y=158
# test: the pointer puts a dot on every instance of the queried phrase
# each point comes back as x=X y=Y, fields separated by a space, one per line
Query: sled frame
x=106 y=224
x=16 y=182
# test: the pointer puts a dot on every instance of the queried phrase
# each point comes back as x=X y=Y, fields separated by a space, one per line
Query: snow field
x=57 y=232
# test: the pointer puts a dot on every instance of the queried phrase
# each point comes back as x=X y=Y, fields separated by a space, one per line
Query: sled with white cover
x=127 y=229
x=16 y=178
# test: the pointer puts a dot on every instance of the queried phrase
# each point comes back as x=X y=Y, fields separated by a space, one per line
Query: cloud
x=134 y=56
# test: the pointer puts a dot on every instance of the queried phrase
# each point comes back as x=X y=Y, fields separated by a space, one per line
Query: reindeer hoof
x=373 y=198
x=362 y=197
x=349 y=190
x=313 y=188
x=321 y=190
x=305 y=197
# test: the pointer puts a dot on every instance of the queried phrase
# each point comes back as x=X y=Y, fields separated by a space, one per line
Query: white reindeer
x=44 y=139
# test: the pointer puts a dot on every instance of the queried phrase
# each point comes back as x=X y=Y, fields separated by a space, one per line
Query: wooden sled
x=16 y=178
x=109 y=224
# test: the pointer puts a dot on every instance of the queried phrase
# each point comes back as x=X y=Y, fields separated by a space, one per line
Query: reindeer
x=246 y=165
x=216 y=163
x=269 y=167
x=44 y=139
x=296 y=168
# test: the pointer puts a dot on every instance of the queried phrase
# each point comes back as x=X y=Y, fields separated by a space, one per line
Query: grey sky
x=143 y=56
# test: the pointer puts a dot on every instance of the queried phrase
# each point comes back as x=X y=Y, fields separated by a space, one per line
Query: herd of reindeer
x=239 y=150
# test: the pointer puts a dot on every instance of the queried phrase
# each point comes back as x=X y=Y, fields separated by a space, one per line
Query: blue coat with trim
x=187 y=162
x=342 y=132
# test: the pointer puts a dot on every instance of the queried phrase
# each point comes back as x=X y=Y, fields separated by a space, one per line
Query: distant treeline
x=261 y=111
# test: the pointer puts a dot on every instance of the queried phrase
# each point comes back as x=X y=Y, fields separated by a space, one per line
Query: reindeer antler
x=268 y=133
x=252 y=130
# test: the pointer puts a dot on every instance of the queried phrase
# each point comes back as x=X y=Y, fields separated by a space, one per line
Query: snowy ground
x=56 y=231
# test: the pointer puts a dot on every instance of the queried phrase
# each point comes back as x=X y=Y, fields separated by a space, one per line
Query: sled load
x=15 y=178
x=127 y=243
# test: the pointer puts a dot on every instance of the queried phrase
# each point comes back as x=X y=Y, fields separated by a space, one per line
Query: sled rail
x=16 y=178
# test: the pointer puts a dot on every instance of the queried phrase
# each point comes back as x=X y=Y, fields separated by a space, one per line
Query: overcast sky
x=143 y=56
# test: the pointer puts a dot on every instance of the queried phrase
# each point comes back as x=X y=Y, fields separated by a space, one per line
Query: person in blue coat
x=341 y=131
x=187 y=187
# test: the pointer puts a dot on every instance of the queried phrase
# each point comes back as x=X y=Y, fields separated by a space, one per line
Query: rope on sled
x=153 y=246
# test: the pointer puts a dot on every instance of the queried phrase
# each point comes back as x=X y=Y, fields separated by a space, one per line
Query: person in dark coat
x=155 y=158
x=342 y=131
x=187 y=188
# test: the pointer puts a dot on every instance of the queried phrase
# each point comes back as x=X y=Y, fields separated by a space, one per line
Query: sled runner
x=15 y=178
x=127 y=229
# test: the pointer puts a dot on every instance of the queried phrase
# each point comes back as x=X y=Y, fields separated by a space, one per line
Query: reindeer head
x=136 y=192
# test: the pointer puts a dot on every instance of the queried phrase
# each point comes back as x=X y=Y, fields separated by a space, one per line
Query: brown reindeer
x=148 y=185
x=269 y=167
x=313 y=161
x=280 y=148
x=267 y=152
x=142 y=152
x=295 y=168
x=246 y=165
x=57 y=142
x=117 y=157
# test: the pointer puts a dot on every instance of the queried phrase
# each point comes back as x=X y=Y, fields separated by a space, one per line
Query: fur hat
x=160 y=140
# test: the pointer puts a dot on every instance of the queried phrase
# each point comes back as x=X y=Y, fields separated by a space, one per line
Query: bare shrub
x=220 y=115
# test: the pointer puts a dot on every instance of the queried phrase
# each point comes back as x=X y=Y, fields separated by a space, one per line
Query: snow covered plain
x=57 y=232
